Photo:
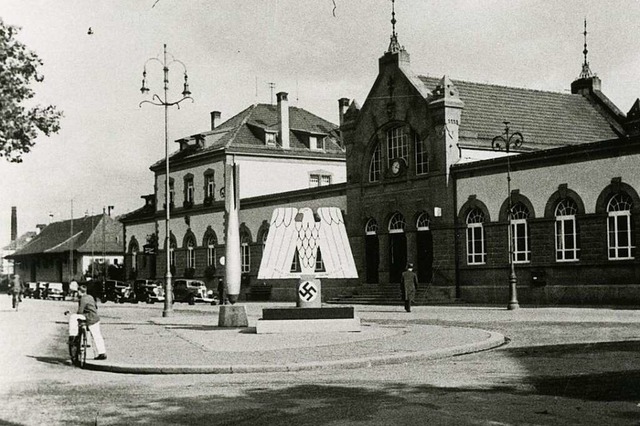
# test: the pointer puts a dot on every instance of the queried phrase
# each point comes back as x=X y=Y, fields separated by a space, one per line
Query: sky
x=316 y=50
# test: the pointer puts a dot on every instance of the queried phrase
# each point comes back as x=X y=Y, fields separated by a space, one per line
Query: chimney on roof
x=283 y=112
x=215 y=118
x=40 y=227
x=14 y=223
x=343 y=104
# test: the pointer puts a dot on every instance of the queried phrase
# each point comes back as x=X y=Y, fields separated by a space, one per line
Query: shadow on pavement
x=53 y=360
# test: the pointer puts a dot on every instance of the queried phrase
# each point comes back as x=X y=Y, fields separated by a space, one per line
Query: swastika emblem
x=307 y=291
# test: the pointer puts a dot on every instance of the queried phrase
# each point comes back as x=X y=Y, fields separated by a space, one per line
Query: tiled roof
x=546 y=119
x=21 y=241
x=247 y=128
x=60 y=237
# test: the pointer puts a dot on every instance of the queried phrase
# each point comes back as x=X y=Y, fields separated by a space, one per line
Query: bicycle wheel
x=82 y=347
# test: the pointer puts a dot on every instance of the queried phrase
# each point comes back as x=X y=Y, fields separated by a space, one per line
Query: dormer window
x=316 y=142
x=270 y=138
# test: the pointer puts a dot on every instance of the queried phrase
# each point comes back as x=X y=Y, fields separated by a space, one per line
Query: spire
x=586 y=71
x=394 y=46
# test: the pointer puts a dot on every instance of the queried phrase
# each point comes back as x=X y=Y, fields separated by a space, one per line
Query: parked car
x=54 y=291
x=30 y=289
x=192 y=291
x=149 y=291
x=41 y=290
x=118 y=291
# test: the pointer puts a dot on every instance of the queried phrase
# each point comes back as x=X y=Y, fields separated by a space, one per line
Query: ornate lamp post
x=499 y=143
x=163 y=102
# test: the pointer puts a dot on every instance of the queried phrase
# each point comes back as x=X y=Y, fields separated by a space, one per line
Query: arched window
x=476 y=253
x=567 y=249
x=422 y=156
x=172 y=253
x=423 y=222
x=245 y=252
x=371 y=228
x=375 y=166
x=211 y=251
x=396 y=224
x=520 y=233
x=619 y=233
x=191 y=253
x=265 y=234
x=134 y=249
x=397 y=145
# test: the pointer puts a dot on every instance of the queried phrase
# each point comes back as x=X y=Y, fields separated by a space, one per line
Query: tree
x=19 y=124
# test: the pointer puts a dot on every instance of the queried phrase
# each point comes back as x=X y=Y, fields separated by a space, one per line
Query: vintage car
x=118 y=291
x=54 y=291
x=31 y=289
x=149 y=291
x=192 y=291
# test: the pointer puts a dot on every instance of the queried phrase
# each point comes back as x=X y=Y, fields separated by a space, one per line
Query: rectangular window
x=270 y=139
x=172 y=193
x=325 y=180
x=246 y=258
x=475 y=244
x=520 y=241
x=314 y=180
x=619 y=235
x=566 y=239
x=211 y=255
x=191 y=258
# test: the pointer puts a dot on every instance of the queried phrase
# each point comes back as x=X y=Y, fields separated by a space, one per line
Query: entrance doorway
x=397 y=256
x=424 y=256
x=372 y=253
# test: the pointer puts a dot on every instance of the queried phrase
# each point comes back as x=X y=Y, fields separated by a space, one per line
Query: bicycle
x=78 y=350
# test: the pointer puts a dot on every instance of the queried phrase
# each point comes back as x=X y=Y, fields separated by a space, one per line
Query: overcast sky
x=232 y=50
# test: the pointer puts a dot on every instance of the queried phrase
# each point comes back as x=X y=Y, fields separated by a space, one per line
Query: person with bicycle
x=16 y=292
x=87 y=311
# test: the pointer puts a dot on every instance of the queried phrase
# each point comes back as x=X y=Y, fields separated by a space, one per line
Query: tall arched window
x=397 y=145
x=375 y=166
x=422 y=156
x=619 y=233
x=567 y=249
x=245 y=252
x=520 y=233
x=372 y=250
x=476 y=253
x=396 y=224
x=191 y=253
x=211 y=251
x=172 y=253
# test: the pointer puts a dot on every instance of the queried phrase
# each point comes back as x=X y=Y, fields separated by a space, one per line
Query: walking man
x=16 y=291
x=409 y=286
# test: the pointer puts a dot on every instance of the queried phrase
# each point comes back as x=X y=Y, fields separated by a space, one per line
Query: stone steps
x=390 y=294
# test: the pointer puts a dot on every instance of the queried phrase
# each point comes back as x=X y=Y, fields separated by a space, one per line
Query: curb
x=493 y=341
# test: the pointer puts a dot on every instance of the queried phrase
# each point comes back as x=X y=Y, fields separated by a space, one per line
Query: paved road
x=562 y=366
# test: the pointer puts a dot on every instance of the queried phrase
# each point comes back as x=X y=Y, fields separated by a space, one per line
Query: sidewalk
x=190 y=342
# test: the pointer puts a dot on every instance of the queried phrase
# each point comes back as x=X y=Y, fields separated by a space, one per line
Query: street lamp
x=163 y=102
x=499 y=143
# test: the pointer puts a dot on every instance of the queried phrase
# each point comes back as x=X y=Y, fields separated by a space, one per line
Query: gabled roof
x=546 y=119
x=20 y=242
x=246 y=129
x=84 y=235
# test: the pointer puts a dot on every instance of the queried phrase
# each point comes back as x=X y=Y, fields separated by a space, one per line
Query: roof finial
x=586 y=71
x=394 y=46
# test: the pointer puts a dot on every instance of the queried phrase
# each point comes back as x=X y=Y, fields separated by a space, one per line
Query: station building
x=427 y=184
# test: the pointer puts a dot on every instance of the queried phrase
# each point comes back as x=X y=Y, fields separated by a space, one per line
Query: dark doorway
x=424 y=257
x=372 y=253
x=397 y=256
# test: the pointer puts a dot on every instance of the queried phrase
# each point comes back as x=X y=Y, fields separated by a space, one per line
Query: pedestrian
x=16 y=291
x=220 y=291
x=409 y=286
x=88 y=311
